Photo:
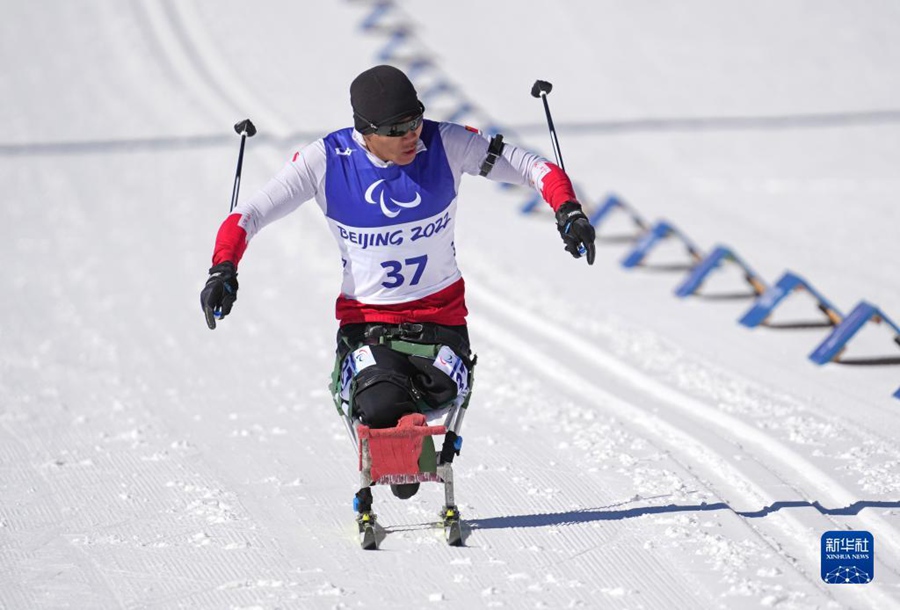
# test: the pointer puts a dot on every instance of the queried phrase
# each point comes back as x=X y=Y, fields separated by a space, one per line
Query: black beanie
x=380 y=95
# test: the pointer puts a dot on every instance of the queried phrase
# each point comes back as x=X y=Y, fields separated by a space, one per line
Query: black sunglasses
x=395 y=130
x=399 y=129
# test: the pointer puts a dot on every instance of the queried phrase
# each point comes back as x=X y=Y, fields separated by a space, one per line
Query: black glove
x=576 y=230
x=220 y=292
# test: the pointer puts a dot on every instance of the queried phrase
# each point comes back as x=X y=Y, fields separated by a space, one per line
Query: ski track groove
x=679 y=436
x=823 y=484
x=525 y=461
x=607 y=554
x=192 y=55
x=160 y=20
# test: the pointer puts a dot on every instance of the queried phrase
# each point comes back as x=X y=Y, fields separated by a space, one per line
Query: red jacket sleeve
x=556 y=188
x=231 y=241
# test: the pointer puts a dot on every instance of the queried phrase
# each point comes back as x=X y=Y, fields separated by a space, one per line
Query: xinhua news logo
x=848 y=558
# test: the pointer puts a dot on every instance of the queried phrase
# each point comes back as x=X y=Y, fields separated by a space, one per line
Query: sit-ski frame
x=452 y=423
x=443 y=474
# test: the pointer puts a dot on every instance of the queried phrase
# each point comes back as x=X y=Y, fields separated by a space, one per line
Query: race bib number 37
x=410 y=270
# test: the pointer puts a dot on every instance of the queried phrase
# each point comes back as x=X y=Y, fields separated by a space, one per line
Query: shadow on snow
x=591 y=515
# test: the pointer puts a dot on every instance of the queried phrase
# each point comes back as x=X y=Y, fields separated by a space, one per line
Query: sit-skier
x=388 y=188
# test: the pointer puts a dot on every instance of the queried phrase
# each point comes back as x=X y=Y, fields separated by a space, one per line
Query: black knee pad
x=436 y=386
x=383 y=392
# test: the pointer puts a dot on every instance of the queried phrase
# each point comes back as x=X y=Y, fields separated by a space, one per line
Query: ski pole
x=245 y=129
x=542 y=89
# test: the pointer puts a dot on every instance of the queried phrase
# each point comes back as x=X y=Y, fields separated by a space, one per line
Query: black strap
x=353 y=336
x=495 y=149
x=425 y=333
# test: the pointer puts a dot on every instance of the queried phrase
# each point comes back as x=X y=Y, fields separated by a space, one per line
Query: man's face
x=399 y=149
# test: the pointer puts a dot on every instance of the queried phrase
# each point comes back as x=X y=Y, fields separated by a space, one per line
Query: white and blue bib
x=394 y=225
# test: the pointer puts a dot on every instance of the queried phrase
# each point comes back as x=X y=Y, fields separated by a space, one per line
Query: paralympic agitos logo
x=392 y=208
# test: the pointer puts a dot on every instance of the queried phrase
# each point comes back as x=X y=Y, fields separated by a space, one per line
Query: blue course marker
x=786 y=284
x=832 y=346
x=719 y=254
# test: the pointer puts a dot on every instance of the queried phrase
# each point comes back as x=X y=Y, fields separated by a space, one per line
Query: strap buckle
x=411 y=330
x=495 y=149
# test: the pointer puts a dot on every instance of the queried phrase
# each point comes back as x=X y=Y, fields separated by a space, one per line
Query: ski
x=453 y=533
x=367 y=538
x=452 y=526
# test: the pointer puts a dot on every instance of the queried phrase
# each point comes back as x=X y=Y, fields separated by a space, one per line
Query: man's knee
x=383 y=391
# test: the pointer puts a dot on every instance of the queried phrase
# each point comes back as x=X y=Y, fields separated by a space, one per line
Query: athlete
x=388 y=187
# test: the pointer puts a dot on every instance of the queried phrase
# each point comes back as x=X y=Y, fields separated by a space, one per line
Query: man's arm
x=297 y=182
x=467 y=150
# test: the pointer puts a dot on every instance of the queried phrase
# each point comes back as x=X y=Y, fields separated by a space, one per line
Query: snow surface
x=624 y=448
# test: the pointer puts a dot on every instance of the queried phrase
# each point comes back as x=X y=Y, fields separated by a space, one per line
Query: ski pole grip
x=541 y=87
x=245 y=127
